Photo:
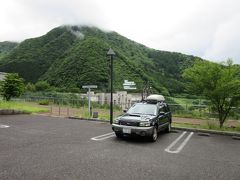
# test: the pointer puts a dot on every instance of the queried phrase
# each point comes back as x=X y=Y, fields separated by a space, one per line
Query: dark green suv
x=146 y=118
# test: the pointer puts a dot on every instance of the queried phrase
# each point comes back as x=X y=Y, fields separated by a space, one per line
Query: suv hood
x=136 y=117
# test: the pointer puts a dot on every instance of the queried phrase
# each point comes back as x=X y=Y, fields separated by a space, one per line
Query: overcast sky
x=206 y=28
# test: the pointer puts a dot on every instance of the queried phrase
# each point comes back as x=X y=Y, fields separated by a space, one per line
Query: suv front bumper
x=133 y=130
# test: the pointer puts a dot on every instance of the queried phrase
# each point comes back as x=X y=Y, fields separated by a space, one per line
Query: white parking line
x=4 y=126
x=175 y=142
x=180 y=147
x=104 y=136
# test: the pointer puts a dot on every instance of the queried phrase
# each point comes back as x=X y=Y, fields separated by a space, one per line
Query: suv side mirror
x=124 y=110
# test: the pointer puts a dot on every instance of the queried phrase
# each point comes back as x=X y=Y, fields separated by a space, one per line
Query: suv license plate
x=126 y=130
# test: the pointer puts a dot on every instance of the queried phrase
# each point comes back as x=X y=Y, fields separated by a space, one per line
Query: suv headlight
x=116 y=121
x=145 y=123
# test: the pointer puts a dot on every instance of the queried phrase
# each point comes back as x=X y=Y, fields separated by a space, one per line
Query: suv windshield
x=143 y=109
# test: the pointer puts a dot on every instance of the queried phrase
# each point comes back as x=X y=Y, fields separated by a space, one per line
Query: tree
x=12 y=86
x=42 y=86
x=30 y=87
x=219 y=83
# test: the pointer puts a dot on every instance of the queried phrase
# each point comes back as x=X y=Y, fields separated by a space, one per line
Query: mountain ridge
x=72 y=56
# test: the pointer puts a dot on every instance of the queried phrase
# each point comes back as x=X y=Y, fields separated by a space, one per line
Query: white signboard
x=89 y=86
x=129 y=85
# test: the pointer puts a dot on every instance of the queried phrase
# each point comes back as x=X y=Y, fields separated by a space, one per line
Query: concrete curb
x=175 y=128
x=11 y=112
x=88 y=119
x=208 y=131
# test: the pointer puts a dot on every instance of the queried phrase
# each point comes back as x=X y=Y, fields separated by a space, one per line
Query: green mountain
x=72 y=56
x=6 y=47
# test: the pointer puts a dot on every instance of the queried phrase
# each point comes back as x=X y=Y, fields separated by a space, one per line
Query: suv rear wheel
x=168 y=129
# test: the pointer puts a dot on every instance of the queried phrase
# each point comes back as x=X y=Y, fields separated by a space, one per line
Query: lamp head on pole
x=110 y=52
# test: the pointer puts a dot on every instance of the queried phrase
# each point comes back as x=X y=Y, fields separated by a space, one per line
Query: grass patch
x=190 y=115
x=103 y=114
x=183 y=101
x=209 y=126
x=43 y=102
x=26 y=107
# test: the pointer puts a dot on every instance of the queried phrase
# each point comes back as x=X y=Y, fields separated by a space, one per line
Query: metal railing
x=76 y=106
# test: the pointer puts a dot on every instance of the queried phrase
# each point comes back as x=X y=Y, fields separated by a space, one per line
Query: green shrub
x=42 y=86
x=196 y=101
x=44 y=102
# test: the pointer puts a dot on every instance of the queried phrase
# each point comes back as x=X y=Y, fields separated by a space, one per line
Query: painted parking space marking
x=103 y=137
x=175 y=141
x=4 y=126
x=178 y=149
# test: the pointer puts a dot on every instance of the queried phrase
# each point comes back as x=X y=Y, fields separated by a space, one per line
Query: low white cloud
x=205 y=28
x=26 y=18
x=75 y=32
x=226 y=41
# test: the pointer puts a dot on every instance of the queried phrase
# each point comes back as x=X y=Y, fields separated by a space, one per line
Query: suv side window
x=161 y=110
x=166 y=108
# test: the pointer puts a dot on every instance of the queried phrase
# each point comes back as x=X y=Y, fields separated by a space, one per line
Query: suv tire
x=119 y=135
x=154 y=135
x=168 y=128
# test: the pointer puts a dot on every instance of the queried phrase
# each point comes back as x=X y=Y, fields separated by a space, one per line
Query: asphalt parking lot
x=39 y=147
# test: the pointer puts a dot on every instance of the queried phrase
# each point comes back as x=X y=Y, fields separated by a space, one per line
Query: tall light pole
x=111 y=53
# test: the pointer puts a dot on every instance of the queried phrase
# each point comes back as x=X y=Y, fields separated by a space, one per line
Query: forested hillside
x=6 y=47
x=72 y=56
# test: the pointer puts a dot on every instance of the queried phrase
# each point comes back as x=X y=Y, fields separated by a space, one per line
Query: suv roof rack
x=155 y=98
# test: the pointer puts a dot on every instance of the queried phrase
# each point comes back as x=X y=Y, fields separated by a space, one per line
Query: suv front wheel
x=119 y=135
x=154 y=135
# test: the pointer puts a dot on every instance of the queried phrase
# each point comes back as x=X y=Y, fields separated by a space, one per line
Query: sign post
x=89 y=87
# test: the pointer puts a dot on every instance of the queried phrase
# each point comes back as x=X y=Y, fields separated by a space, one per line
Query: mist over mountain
x=72 y=56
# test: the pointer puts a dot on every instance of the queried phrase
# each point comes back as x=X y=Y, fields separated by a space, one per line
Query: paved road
x=38 y=147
